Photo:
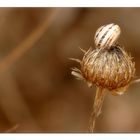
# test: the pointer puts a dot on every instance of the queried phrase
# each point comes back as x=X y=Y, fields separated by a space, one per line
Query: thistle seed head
x=111 y=68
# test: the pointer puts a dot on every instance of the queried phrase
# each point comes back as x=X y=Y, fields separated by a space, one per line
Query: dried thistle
x=108 y=67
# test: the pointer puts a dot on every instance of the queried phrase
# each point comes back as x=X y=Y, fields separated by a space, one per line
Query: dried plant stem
x=97 y=106
x=29 y=41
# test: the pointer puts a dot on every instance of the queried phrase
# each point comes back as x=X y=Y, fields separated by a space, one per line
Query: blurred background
x=38 y=92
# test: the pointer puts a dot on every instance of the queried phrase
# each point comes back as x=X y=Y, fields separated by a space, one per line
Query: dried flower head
x=110 y=68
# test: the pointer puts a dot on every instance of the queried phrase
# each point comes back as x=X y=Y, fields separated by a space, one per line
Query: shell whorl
x=107 y=35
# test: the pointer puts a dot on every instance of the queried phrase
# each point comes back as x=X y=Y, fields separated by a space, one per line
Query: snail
x=107 y=35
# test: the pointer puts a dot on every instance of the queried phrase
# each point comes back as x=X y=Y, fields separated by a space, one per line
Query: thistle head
x=109 y=68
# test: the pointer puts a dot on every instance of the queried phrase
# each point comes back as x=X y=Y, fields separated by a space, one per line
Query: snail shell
x=107 y=35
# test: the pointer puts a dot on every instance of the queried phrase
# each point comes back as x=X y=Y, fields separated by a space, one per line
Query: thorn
x=74 y=59
x=84 y=51
x=89 y=50
x=76 y=70
x=77 y=75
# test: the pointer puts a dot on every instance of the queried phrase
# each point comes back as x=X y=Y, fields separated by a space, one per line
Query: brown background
x=38 y=92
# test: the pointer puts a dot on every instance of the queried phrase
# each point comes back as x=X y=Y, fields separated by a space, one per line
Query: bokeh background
x=38 y=92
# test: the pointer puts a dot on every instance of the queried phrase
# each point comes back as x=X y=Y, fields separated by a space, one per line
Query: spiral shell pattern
x=107 y=35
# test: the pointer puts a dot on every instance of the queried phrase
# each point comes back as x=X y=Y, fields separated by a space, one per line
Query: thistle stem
x=97 y=106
